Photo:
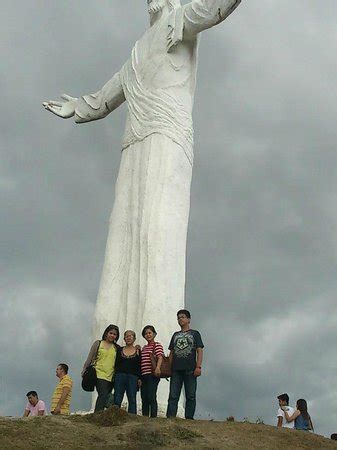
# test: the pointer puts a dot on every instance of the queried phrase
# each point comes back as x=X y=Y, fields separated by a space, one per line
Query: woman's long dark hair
x=109 y=328
x=303 y=408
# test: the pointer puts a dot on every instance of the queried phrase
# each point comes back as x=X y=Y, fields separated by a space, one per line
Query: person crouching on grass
x=186 y=352
x=283 y=402
x=34 y=407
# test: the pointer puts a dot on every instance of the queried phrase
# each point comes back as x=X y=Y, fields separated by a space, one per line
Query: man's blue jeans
x=178 y=379
x=126 y=382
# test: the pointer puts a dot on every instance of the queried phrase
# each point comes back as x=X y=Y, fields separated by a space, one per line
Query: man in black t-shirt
x=186 y=351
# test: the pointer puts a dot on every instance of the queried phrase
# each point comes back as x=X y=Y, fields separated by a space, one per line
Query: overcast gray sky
x=262 y=243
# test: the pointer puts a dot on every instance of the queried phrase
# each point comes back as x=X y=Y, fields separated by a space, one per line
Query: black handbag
x=89 y=377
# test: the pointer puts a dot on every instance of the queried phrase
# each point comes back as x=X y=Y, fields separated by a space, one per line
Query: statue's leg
x=143 y=277
x=113 y=285
x=163 y=219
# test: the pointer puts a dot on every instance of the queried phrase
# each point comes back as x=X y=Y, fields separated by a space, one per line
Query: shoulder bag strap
x=96 y=354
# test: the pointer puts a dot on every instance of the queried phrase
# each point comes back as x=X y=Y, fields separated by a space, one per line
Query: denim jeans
x=103 y=388
x=149 y=395
x=126 y=382
x=178 y=379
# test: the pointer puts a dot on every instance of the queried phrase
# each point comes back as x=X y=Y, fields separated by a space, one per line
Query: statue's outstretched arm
x=199 y=15
x=90 y=107
x=99 y=105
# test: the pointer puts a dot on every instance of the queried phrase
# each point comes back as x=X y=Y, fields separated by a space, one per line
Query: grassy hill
x=115 y=428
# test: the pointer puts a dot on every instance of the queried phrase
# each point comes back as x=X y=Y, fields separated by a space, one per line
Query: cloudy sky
x=262 y=244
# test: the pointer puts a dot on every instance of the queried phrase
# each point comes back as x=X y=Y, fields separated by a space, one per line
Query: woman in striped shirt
x=150 y=380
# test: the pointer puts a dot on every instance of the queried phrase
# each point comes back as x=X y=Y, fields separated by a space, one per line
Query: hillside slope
x=116 y=429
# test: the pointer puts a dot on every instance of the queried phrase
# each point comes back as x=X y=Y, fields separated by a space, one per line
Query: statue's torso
x=173 y=71
x=159 y=84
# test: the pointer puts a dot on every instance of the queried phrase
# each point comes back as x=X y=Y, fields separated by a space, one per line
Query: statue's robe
x=143 y=279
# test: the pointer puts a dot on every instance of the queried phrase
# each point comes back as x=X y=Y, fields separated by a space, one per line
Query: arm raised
x=90 y=107
x=200 y=15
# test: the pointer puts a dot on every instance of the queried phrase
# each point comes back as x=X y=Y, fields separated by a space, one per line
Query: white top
x=290 y=411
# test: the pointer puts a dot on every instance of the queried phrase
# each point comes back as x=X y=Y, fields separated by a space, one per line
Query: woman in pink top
x=150 y=381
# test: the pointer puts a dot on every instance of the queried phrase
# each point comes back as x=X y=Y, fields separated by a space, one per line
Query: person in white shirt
x=283 y=401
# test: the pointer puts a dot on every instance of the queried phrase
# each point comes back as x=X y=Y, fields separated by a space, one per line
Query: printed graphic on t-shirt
x=183 y=345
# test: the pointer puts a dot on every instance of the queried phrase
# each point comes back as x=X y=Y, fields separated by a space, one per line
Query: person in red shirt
x=150 y=380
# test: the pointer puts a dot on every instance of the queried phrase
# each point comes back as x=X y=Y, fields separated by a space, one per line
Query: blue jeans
x=178 y=379
x=149 y=395
x=126 y=382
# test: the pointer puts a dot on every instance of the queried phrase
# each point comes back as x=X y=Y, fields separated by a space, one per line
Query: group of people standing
x=129 y=368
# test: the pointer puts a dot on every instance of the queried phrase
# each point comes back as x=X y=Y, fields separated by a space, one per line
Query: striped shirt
x=154 y=348
x=65 y=381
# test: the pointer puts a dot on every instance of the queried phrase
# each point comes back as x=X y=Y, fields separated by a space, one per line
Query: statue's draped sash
x=156 y=110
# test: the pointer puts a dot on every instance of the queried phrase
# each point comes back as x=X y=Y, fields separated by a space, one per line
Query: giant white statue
x=143 y=279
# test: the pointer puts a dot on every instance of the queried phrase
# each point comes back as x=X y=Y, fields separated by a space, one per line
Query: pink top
x=34 y=410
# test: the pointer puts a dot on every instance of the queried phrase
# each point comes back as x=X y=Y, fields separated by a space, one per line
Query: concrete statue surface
x=143 y=278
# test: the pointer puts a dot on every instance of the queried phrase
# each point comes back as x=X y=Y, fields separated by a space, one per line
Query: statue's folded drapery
x=154 y=111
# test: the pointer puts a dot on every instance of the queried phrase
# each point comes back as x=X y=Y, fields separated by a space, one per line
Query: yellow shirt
x=105 y=362
x=65 y=381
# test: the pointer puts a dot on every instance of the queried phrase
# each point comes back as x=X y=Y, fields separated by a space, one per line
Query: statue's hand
x=62 y=109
